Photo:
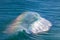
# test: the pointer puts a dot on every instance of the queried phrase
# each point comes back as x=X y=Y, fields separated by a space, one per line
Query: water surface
x=10 y=9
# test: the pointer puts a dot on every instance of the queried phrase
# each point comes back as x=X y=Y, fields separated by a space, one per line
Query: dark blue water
x=10 y=9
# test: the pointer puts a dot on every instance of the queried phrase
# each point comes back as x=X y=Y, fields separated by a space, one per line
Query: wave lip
x=31 y=22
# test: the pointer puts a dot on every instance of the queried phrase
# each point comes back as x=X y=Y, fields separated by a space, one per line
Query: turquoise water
x=10 y=9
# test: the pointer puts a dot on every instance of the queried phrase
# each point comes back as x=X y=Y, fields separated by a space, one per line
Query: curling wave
x=30 y=22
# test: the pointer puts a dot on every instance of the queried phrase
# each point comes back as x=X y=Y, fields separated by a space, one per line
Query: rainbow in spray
x=31 y=22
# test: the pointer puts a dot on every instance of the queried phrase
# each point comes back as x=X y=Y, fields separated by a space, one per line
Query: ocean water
x=49 y=9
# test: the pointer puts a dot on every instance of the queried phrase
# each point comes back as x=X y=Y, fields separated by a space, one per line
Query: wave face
x=30 y=22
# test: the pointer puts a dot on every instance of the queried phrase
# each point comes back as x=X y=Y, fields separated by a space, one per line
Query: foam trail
x=31 y=22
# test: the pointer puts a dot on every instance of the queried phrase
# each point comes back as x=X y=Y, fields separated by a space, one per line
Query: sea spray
x=30 y=22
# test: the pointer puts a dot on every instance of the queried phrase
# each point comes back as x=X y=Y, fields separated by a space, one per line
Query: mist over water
x=30 y=22
x=10 y=9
